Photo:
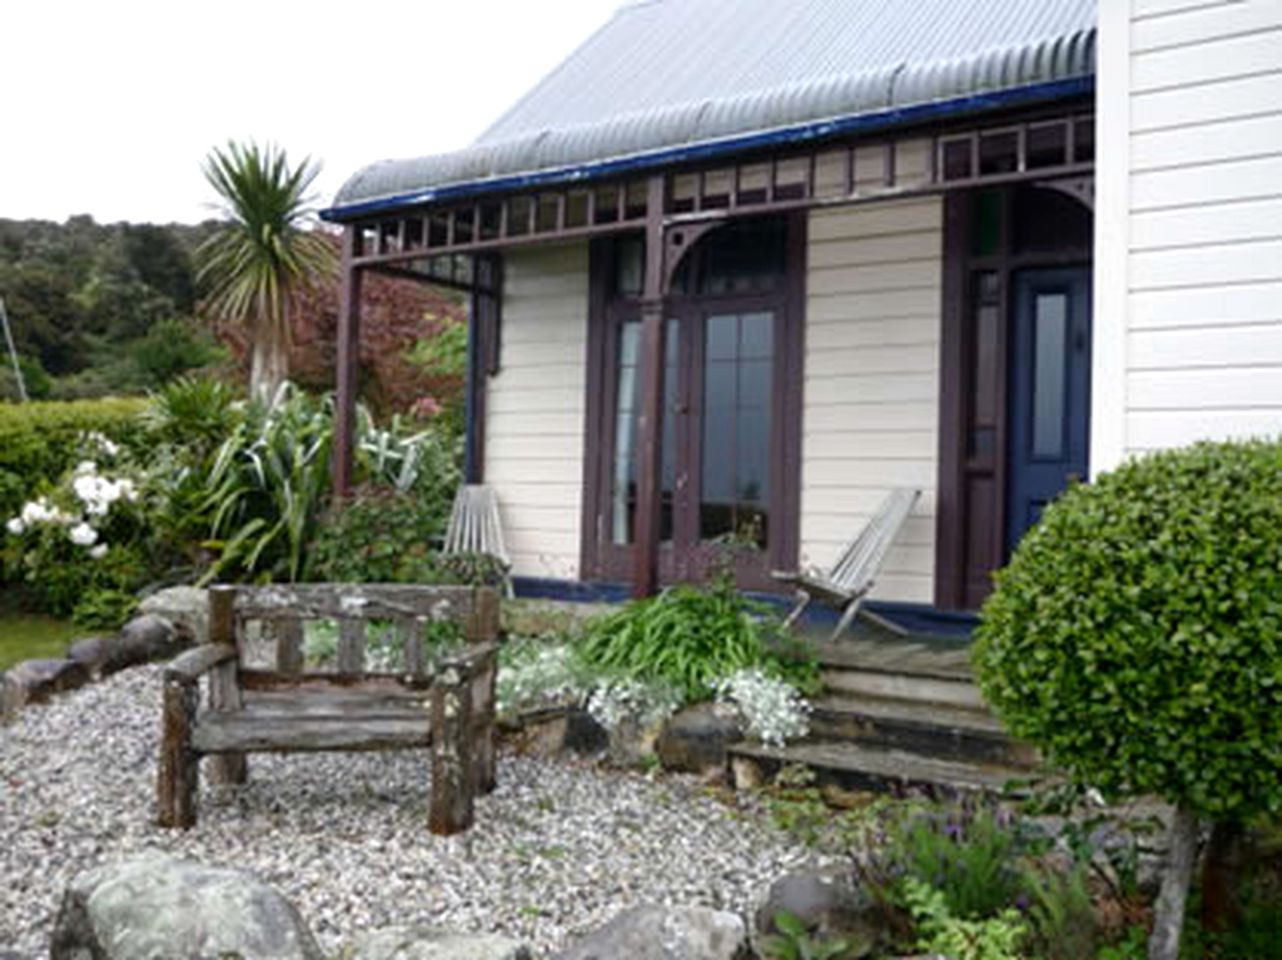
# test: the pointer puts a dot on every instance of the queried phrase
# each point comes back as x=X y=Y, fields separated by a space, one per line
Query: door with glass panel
x=1049 y=391
x=722 y=462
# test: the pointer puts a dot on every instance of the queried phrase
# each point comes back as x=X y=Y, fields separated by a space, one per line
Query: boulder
x=828 y=902
x=91 y=653
x=35 y=681
x=155 y=906
x=141 y=640
x=10 y=696
x=697 y=739
x=429 y=943
x=665 y=933
x=187 y=608
x=554 y=733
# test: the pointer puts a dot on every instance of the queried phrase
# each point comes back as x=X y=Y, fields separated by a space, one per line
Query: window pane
x=623 y=474
x=737 y=382
x=1050 y=327
x=757 y=335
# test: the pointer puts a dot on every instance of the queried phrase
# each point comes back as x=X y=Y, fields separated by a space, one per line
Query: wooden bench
x=288 y=707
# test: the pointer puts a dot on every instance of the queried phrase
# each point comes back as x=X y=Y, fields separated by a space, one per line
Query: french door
x=725 y=477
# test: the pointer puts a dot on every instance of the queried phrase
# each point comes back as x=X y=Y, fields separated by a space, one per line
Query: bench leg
x=225 y=697
x=178 y=769
x=453 y=770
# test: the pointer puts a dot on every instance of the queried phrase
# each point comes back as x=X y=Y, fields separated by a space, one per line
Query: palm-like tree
x=264 y=253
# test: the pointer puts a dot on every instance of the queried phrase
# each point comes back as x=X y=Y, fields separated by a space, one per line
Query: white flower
x=98 y=552
x=85 y=467
x=83 y=535
x=16 y=526
x=774 y=711
x=87 y=487
x=37 y=511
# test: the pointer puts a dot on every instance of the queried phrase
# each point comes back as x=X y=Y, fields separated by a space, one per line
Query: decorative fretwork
x=431 y=243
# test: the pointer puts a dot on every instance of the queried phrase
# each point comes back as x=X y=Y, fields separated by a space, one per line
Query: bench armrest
x=470 y=657
x=187 y=667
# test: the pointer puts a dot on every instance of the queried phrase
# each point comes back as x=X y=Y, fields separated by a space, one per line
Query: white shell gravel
x=558 y=848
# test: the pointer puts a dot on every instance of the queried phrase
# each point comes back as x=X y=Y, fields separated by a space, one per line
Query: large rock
x=429 y=943
x=143 y=639
x=35 y=681
x=828 y=902
x=697 y=739
x=92 y=653
x=187 y=608
x=10 y=696
x=158 y=907
x=665 y=933
x=554 y=733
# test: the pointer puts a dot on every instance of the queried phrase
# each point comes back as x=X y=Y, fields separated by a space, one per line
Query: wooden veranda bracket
x=678 y=240
x=1081 y=189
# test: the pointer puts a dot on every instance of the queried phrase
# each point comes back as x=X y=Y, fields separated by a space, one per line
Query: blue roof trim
x=707 y=150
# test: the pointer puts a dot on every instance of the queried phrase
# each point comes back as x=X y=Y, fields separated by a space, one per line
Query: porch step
x=903 y=670
x=931 y=729
x=854 y=766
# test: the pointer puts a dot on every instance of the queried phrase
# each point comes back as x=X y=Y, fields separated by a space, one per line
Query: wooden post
x=349 y=333
x=176 y=777
x=484 y=673
x=453 y=772
x=224 y=681
x=645 y=539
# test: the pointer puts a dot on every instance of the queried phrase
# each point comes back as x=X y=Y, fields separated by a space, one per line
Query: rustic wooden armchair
x=289 y=707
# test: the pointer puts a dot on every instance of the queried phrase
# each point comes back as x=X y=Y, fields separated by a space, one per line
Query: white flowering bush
x=79 y=546
x=534 y=674
x=773 y=710
x=618 y=702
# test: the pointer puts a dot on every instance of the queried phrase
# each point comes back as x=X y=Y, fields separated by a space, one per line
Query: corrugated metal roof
x=670 y=73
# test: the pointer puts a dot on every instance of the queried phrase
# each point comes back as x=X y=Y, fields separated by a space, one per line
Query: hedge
x=40 y=441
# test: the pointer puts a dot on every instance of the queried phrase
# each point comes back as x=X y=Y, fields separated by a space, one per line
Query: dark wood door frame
x=599 y=558
x=970 y=524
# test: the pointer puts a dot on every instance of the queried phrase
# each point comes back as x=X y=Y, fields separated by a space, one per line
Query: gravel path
x=558 y=847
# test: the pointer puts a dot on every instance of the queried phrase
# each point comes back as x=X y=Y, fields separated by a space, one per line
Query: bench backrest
x=283 y=612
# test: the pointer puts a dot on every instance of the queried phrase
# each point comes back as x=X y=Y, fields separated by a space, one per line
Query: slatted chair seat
x=446 y=706
x=853 y=575
x=475 y=528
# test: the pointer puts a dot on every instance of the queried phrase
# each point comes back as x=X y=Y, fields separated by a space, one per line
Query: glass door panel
x=734 y=489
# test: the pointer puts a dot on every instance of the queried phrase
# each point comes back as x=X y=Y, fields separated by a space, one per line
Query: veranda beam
x=645 y=576
x=349 y=331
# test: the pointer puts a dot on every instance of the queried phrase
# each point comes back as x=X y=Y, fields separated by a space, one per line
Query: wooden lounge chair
x=847 y=584
x=286 y=708
x=474 y=528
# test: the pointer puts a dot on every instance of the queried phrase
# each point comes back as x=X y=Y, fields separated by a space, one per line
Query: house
x=739 y=268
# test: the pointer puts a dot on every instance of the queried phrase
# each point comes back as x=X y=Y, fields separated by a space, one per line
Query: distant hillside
x=115 y=308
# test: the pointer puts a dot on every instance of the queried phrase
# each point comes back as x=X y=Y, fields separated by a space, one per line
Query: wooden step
x=943 y=731
x=876 y=684
x=854 y=766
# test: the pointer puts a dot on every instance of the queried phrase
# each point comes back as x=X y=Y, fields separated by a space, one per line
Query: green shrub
x=39 y=442
x=686 y=637
x=379 y=536
x=1136 y=635
x=958 y=938
x=171 y=348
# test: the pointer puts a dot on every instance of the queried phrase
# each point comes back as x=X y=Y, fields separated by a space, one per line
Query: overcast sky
x=109 y=106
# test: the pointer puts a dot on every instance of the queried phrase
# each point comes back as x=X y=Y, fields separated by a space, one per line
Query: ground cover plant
x=1134 y=637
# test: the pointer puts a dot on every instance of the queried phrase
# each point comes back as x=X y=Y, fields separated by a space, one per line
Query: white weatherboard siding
x=535 y=409
x=871 y=410
x=1189 y=227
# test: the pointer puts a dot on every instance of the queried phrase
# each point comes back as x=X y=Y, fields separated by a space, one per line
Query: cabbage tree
x=264 y=252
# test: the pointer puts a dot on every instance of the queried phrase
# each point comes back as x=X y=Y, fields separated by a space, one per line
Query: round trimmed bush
x=1136 y=635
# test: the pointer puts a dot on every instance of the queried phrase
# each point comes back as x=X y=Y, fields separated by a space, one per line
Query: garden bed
x=559 y=846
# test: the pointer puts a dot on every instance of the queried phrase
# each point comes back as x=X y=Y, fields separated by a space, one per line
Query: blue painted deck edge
x=918 y=618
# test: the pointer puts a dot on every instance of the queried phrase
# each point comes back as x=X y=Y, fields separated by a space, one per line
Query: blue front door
x=1049 y=391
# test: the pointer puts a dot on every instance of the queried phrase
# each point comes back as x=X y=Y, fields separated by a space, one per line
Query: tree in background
x=263 y=253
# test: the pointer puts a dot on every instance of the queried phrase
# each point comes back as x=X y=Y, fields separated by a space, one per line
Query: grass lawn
x=27 y=636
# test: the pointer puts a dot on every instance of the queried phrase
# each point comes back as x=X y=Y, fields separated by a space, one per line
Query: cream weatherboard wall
x=871 y=402
x=1188 y=254
x=535 y=409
